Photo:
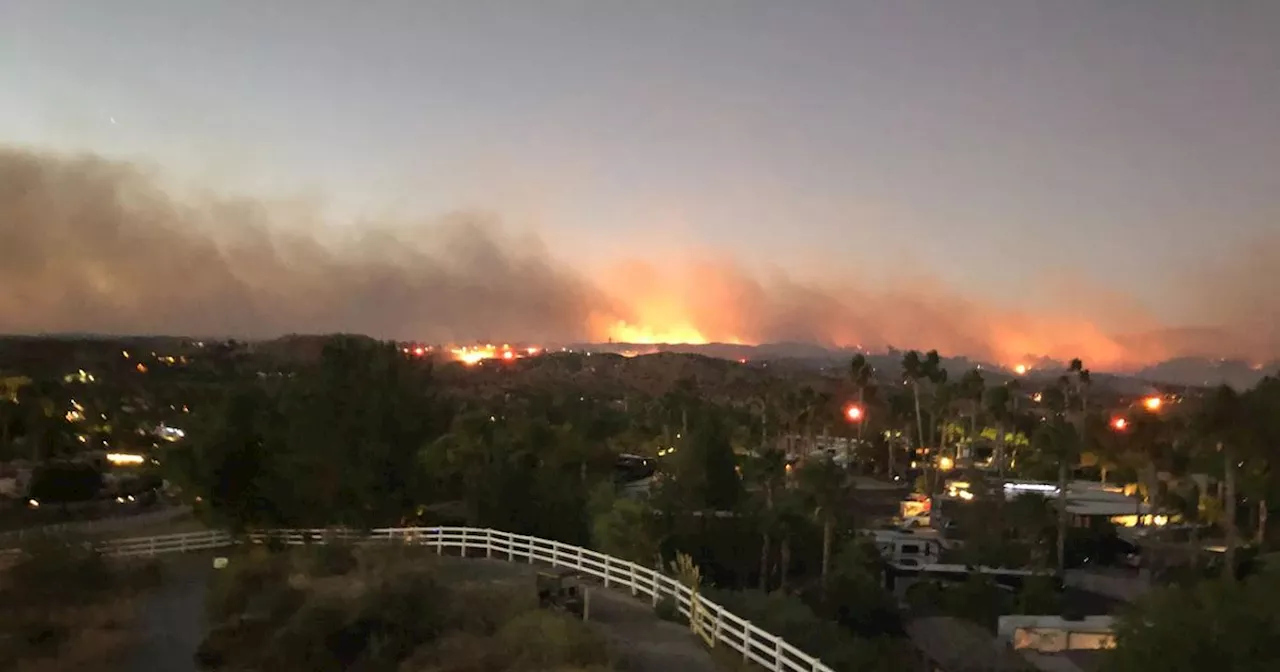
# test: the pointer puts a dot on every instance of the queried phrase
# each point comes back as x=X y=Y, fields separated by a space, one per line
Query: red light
x=419 y=351
x=1119 y=424
x=853 y=413
x=507 y=354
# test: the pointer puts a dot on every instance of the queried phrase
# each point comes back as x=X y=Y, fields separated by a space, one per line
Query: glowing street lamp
x=946 y=463
x=1119 y=424
x=1020 y=369
x=1153 y=404
x=853 y=414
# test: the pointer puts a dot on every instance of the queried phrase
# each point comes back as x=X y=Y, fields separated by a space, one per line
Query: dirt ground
x=643 y=642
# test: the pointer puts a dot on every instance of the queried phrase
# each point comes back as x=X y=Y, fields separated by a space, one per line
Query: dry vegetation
x=68 y=608
x=325 y=608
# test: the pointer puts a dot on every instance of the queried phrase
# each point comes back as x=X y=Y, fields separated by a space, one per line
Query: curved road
x=171 y=622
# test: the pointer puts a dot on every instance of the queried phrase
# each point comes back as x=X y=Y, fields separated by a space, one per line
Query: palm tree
x=1222 y=422
x=971 y=390
x=861 y=375
x=998 y=406
x=1059 y=438
x=767 y=471
x=823 y=485
x=917 y=371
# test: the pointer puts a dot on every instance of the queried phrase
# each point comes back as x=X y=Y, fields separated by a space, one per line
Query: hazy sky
x=990 y=141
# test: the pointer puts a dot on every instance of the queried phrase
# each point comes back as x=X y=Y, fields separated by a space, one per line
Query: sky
x=1112 y=158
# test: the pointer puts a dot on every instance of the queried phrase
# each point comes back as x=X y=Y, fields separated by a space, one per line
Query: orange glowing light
x=853 y=413
x=419 y=351
x=508 y=355
x=1153 y=403
x=623 y=332
x=1020 y=369
x=1119 y=424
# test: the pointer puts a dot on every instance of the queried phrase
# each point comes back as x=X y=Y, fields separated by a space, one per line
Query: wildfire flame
x=623 y=332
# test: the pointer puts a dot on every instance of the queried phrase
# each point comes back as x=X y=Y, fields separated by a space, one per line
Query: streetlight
x=1020 y=369
x=1119 y=424
x=1153 y=404
x=853 y=413
x=946 y=463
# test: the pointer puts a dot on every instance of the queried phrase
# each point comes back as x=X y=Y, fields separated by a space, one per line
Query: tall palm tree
x=822 y=483
x=998 y=405
x=767 y=472
x=918 y=371
x=1222 y=422
x=1059 y=438
x=862 y=375
x=1079 y=387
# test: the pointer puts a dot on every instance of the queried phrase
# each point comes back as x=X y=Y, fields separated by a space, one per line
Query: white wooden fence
x=715 y=624
x=106 y=524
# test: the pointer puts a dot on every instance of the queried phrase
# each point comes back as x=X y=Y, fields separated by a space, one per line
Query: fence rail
x=715 y=624
x=105 y=524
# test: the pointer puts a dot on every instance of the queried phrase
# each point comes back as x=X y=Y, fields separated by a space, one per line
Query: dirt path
x=644 y=643
x=172 y=621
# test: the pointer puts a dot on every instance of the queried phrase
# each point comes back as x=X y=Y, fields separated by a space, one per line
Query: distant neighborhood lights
x=1153 y=403
x=123 y=459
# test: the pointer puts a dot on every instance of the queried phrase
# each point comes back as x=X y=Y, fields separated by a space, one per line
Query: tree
x=862 y=376
x=918 y=371
x=822 y=483
x=1223 y=422
x=622 y=527
x=1060 y=440
x=767 y=473
x=1210 y=626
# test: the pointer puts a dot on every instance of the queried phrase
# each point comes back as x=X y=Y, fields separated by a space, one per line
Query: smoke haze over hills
x=93 y=245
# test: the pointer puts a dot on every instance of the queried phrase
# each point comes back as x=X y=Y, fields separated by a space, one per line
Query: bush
x=53 y=573
x=789 y=618
x=332 y=559
x=393 y=611
x=667 y=609
x=543 y=640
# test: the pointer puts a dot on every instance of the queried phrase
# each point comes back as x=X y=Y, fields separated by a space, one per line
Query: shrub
x=52 y=573
x=544 y=640
x=667 y=610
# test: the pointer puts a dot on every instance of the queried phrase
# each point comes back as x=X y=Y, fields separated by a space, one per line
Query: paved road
x=644 y=643
x=171 y=620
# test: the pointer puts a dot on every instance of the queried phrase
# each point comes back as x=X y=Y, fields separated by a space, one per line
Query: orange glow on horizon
x=682 y=333
x=695 y=298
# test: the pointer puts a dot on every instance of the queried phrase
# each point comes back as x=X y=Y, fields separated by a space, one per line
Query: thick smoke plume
x=91 y=245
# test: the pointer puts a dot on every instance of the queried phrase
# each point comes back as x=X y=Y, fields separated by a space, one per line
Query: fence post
x=529 y=543
x=777 y=654
x=488 y=542
x=746 y=641
x=606 y=571
x=631 y=578
x=463 y=553
x=439 y=532
x=715 y=628
x=153 y=546
x=653 y=585
x=511 y=547
x=555 y=553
